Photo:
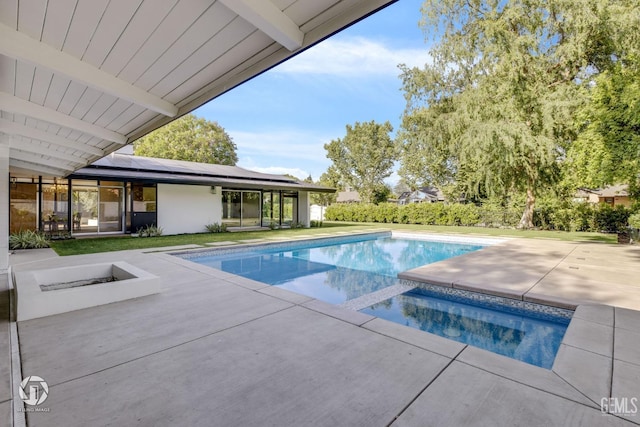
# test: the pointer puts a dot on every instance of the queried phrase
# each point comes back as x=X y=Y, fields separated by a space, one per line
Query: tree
x=323 y=199
x=607 y=150
x=189 y=138
x=493 y=113
x=364 y=157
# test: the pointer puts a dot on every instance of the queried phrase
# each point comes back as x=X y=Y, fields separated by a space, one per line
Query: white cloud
x=293 y=152
x=287 y=144
x=355 y=57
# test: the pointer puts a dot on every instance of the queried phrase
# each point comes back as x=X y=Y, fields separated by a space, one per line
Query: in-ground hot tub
x=41 y=293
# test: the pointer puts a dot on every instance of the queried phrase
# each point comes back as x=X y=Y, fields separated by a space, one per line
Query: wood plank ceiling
x=81 y=78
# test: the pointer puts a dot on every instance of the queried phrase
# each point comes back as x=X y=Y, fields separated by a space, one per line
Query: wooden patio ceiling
x=81 y=78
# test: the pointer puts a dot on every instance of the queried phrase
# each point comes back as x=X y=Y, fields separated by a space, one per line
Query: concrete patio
x=218 y=349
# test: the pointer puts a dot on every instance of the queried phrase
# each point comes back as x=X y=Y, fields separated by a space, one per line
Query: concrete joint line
x=597 y=404
x=402 y=411
x=548 y=272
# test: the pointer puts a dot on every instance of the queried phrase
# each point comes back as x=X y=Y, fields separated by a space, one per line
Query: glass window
x=231 y=208
x=96 y=208
x=110 y=209
x=250 y=209
x=55 y=206
x=85 y=209
x=23 y=206
x=241 y=208
x=144 y=199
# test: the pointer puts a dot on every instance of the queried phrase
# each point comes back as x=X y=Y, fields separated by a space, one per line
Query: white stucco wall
x=304 y=214
x=187 y=208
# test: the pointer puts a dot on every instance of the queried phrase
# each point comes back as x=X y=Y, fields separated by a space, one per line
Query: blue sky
x=281 y=119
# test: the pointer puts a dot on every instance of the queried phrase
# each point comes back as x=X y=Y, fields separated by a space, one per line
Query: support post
x=4 y=202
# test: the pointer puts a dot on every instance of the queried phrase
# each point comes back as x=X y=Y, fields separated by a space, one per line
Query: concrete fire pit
x=43 y=293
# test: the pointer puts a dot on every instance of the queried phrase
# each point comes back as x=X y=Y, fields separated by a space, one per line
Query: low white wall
x=188 y=208
x=317 y=213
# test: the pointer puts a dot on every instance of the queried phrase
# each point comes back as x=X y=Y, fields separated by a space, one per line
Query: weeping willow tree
x=607 y=150
x=493 y=113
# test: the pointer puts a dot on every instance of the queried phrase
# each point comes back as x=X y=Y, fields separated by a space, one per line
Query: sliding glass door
x=97 y=208
x=279 y=208
x=241 y=208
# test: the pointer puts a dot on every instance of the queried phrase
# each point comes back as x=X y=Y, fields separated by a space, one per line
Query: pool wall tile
x=494 y=301
x=410 y=275
x=501 y=292
x=550 y=300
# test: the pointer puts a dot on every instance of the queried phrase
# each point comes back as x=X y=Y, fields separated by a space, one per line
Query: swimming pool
x=523 y=331
x=355 y=269
x=333 y=270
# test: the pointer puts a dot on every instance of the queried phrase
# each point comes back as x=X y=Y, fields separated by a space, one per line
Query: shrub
x=28 y=239
x=150 y=231
x=315 y=223
x=216 y=228
x=634 y=221
x=611 y=219
x=296 y=224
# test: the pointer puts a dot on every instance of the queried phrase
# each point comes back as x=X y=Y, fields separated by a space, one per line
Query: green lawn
x=107 y=244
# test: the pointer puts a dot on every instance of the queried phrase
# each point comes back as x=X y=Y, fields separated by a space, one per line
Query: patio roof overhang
x=236 y=182
x=81 y=78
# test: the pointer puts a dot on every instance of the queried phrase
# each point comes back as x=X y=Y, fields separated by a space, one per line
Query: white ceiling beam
x=34 y=158
x=22 y=47
x=265 y=16
x=13 y=128
x=38 y=168
x=18 y=105
x=38 y=149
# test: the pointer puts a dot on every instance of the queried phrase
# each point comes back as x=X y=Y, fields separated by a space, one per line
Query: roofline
x=197 y=179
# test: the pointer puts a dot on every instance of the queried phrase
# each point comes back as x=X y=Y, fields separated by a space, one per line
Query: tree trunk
x=526 y=221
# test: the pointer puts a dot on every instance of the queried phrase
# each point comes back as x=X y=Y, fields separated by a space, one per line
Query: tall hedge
x=567 y=217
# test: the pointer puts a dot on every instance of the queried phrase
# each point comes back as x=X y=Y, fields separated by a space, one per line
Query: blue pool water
x=335 y=271
x=532 y=337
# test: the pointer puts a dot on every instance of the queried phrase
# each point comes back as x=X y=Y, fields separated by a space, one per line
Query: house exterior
x=348 y=196
x=122 y=193
x=421 y=195
x=615 y=195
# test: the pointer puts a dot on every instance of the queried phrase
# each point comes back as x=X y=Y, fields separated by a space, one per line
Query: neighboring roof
x=430 y=193
x=79 y=79
x=619 y=190
x=613 y=191
x=347 y=196
x=124 y=166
